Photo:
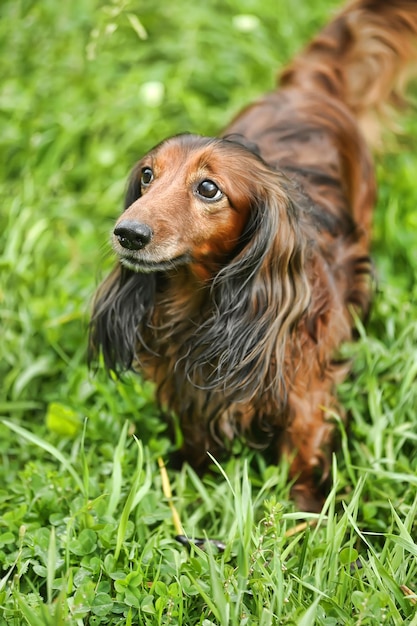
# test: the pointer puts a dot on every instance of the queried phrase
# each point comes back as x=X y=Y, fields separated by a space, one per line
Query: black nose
x=133 y=235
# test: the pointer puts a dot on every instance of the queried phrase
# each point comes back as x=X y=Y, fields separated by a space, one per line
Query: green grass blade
x=48 y=447
x=117 y=472
x=136 y=493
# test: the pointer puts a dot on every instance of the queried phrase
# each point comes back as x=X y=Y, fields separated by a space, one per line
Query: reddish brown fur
x=236 y=307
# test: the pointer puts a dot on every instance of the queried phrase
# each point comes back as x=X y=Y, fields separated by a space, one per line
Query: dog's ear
x=122 y=305
x=133 y=191
x=260 y=296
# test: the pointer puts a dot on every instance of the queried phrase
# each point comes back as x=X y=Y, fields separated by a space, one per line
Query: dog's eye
x=146 y=177
x=209 y=190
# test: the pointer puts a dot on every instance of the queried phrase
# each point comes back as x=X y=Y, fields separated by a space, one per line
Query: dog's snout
x=133 y=235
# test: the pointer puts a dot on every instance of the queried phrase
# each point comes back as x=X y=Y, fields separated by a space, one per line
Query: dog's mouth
x=146 y=266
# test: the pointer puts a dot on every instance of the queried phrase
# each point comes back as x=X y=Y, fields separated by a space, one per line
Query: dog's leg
x=310 y=438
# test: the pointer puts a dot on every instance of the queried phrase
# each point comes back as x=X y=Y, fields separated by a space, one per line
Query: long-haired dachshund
x=244 y=259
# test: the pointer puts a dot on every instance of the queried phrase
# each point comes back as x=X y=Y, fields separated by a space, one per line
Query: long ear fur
x=122 y=303
x=122 y=306
x=259 y=298
x=133 y=187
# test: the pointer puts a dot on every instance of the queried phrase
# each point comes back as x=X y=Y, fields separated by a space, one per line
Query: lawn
x=87 y=535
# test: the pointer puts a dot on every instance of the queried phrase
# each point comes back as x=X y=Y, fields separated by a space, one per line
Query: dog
x=243 y=260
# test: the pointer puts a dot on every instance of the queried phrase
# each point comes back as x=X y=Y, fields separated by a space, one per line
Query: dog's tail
x=364 y=57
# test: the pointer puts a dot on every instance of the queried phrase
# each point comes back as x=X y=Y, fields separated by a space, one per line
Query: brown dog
x=242 y=258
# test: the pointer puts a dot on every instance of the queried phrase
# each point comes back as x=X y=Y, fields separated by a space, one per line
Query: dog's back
x=332 y=97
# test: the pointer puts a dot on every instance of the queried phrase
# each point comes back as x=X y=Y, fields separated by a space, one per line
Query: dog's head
x=214 y=207
x=190 y=201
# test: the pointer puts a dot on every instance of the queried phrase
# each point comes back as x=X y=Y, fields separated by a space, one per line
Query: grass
x=86 y=534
